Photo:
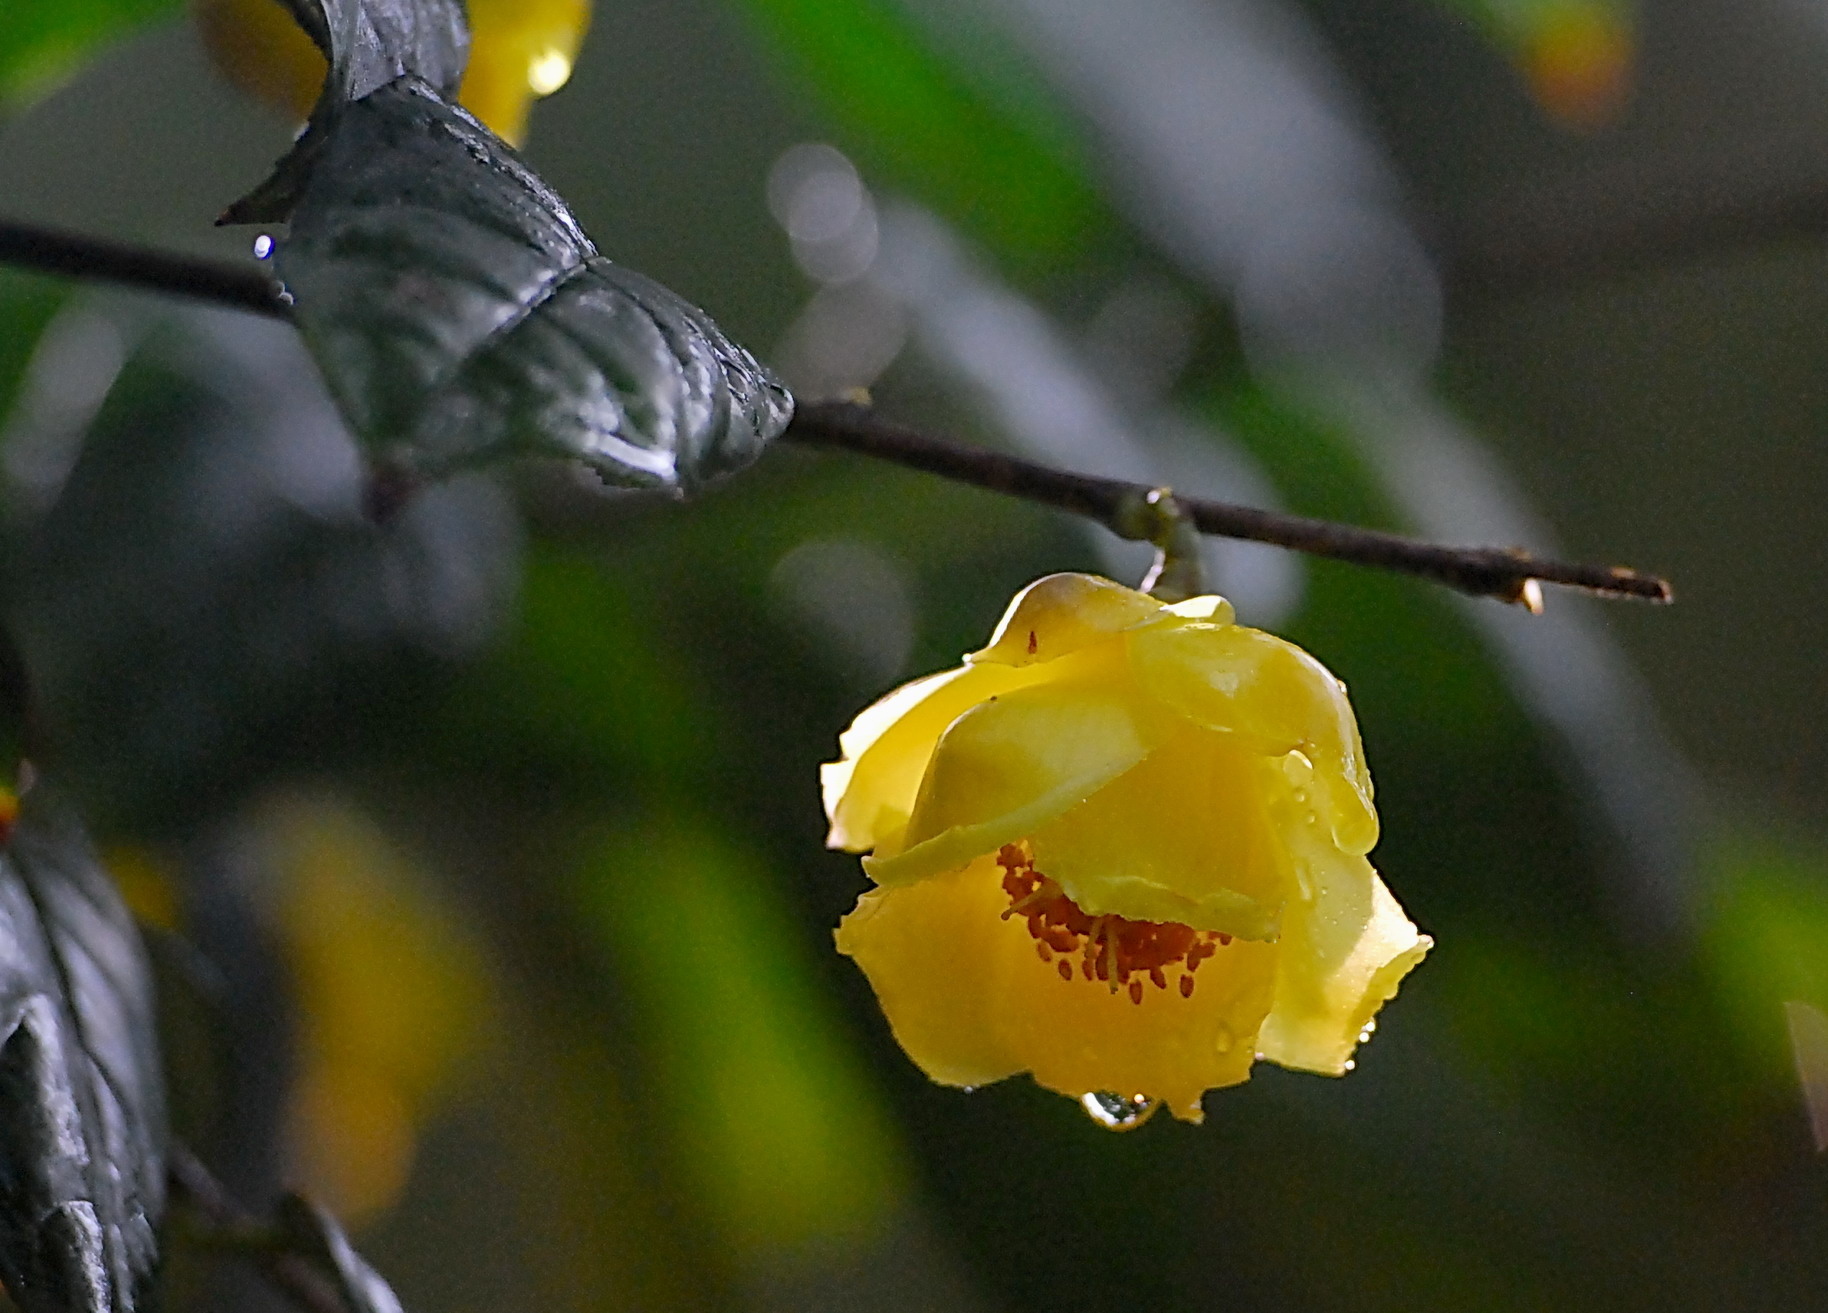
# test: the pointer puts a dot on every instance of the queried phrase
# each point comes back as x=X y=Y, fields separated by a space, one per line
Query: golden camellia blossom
x=1122 y=848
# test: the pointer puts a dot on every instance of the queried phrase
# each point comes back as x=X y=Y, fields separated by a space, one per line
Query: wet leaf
x=462 y=316
x=458 y=311
x=42 y=42
x=82 y=1117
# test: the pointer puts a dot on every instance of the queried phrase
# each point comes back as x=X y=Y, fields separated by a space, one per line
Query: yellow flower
x=1122 y=848
x=520 y=50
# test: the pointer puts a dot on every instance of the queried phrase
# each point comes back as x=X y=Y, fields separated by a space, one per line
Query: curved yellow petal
x=1014 y=763
x=1346 y=946
x=869 y=792
x=1078 y=1036
x=1061 y=614
x=1275 y=698
x=930 y=951
x=1182 y=836
x=971 y=1001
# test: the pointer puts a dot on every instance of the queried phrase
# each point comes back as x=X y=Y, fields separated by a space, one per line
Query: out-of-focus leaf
x=316 y=1237
x=44 y=41
x=1005 y=165
x=457 y=309
x=82 y=1115
x=1809 y=1040
x=770 y=1116
x=27 y=304
x=1767 y=939
x=203 y=597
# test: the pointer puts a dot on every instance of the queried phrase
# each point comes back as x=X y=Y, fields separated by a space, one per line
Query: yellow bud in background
x=520 y=50
x=261 y=51
x=1577 y=59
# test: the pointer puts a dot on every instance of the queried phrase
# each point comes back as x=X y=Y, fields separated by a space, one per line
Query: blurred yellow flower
x=1122 y=848
x=520 y=50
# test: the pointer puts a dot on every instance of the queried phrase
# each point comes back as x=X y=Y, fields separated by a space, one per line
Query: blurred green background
x=483 y=855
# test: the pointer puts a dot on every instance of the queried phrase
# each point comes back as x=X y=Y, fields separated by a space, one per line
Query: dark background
x=514 y=811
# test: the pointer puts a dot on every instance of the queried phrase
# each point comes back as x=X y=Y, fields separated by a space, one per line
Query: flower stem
x=1507 y=573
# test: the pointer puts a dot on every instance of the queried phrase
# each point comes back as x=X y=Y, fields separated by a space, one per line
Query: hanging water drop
x=1351 y=1065
x=263 y=247
x=1369 y=1030
x=1117 y=1112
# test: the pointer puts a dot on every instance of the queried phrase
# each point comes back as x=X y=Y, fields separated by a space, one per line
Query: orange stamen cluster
x=1114 y=949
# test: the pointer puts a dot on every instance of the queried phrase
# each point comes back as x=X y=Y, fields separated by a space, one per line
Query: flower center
x=1114 y=949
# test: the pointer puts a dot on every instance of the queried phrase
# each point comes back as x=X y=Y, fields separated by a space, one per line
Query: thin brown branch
x=74 y=255
x=289 y=1273
x=1509 y=574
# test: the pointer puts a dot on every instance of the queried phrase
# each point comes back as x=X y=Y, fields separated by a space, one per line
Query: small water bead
x=1117 y=1112
x=1369 y=1030
x=1351 y=1065
x=1299 y=769
x=263 y=247
x=1222 y=1040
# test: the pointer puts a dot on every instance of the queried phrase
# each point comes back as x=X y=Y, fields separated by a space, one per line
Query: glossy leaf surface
x=82 y=1116
x=456 y=307
x=462 y=315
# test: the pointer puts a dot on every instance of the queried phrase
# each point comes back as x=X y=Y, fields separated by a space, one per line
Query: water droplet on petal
x=1369 y=1030
x=1299 y=769
x=1304 y=883
x=1118 y=1112
x=1351 y=1065
x=548 y=71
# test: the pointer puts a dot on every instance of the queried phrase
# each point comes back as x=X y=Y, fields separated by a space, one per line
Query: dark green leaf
x=203 y=599
x=315 y=1236
x=960 y=121
x=82 y=1116
x=368 y=44
x=457 y=309
x=462 y=316
x=372 y=42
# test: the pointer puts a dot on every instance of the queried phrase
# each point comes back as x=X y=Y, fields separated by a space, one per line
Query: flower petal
x=971 y=1001
x=1011 y=764
x=1183 y=836
x=930 y=952
x=1061 y=614
x=1077 y=1036
x=870 y=791
x=1346 y=945
x=1275 y=698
